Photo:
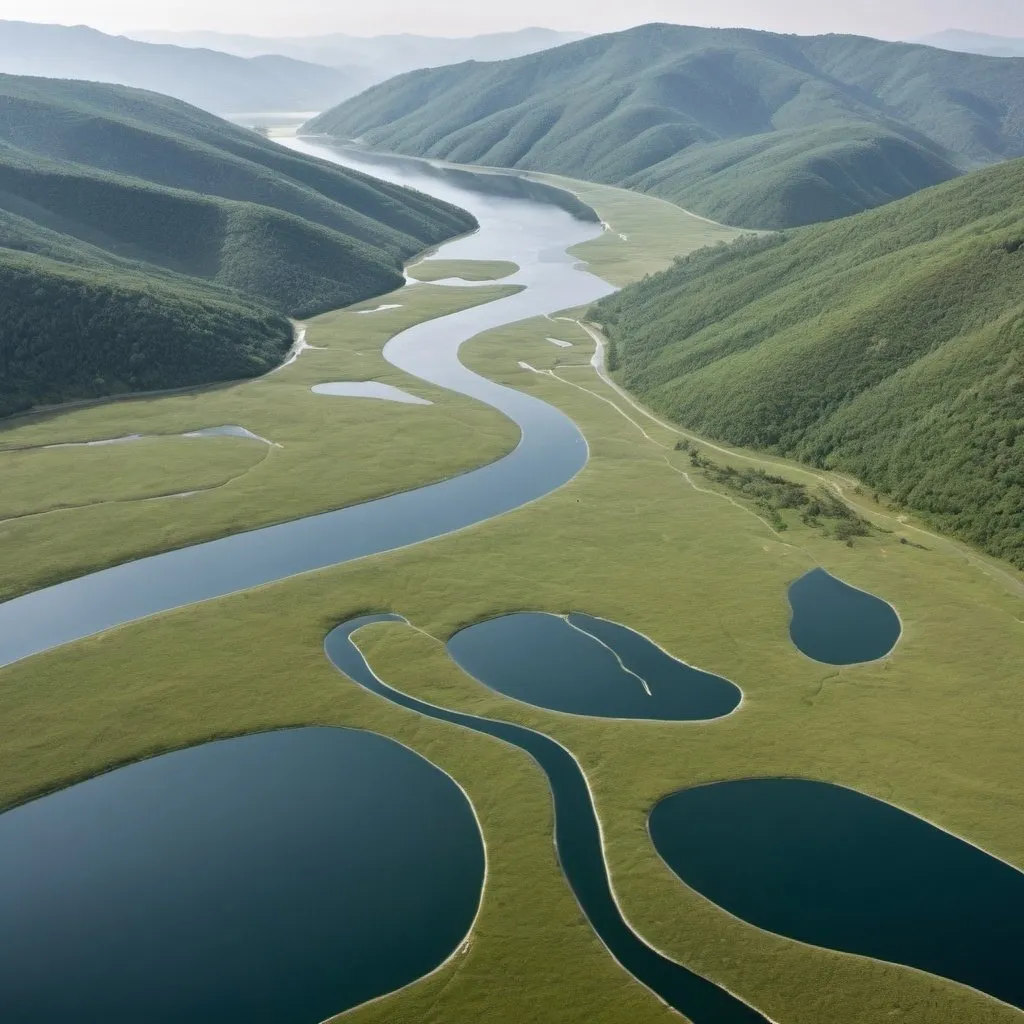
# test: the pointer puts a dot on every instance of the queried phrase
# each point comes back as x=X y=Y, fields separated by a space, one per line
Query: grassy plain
x=644 y=234
x=466 y=270
x=331 y=452
x=45 y=480
x=934 y=728
x=632 y=540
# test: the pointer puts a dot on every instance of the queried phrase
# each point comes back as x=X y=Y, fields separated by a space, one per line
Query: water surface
x=838 y=624
x=368 y=389
x=519 y=221
x=577 y=841
x=832 y=867
x=275 y=878
x=584 y=665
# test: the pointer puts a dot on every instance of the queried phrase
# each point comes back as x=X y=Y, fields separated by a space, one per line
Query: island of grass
x=462 y=270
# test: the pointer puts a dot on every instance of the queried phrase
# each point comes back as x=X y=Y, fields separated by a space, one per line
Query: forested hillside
x=214 y=81
x=750 y=128
x=889 y=345
x=128 y=201
x=70 y=332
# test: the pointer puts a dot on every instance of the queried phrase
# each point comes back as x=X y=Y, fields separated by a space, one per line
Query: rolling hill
x=214 y=81
x=889 y=345
x=373 y=59
x=750 y=128
x=146 y=244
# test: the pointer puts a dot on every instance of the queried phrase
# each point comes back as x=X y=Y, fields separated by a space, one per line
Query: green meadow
x=466 y=270
x=332 y=451
x=641 y=536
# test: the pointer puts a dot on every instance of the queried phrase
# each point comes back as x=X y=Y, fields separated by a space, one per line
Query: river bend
x=523 y=229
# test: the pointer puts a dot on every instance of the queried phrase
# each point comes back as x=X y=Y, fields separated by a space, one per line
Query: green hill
x=118 y=201
x=751 y=128
x=889 y=345
x=214 y=81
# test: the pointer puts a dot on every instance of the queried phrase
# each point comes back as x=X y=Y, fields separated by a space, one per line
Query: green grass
x=334 y=451
x=255 y=661
x=644 y=234
x=746 y=127
x=43 y=481
x=887 y=346
x=934 y=728
x=467 y=270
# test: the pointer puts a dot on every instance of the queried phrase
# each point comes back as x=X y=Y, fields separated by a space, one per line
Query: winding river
x=523 y=222
x=533 y=226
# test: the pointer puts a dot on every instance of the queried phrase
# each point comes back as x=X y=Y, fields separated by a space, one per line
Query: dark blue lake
x=838 y=624
x=276 y=878
x=835 y=868
x=584 y=665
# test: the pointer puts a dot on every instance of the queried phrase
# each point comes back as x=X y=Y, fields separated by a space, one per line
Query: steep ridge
x=214 y=81
x=133 y=226
x=889 y=345
x=748 y=127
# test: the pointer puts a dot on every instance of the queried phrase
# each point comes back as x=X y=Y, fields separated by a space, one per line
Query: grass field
x=42 y=481
x=466 y=270
x=331 y=452
x=644 y=234
x=642 y=538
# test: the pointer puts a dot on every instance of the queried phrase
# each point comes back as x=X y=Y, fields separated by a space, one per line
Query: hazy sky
x=885 y=18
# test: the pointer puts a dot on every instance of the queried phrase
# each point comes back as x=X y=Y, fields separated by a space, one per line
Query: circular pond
x=276 y=878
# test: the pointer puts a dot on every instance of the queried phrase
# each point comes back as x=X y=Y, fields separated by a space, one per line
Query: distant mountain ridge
x=963 y=41
x=215 y=81
x=374 y=58
x=751 y=128
x=147 y=244
x=889 y=345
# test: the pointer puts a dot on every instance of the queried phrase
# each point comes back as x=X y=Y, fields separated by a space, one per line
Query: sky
x=888 y=19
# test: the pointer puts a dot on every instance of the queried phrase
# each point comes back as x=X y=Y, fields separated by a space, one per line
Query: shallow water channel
x=837 y=624
x=577 y=840
x=833 y=867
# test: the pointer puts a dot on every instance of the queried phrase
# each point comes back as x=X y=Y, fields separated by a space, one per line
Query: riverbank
x=329 y=452
x=635 y=539
x=631 y=540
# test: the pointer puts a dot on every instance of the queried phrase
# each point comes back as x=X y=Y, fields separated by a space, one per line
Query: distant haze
x=890 y=19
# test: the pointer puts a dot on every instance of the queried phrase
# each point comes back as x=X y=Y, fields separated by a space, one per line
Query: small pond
x=838 y=624
x=276 y=878
x=368 y=389
x=835 y=868
x=584 y=665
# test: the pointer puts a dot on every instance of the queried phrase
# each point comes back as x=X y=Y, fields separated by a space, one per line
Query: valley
x=535 y=601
